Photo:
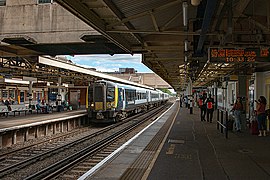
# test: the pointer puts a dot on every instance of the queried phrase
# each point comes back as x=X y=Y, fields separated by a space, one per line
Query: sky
x=108 y=63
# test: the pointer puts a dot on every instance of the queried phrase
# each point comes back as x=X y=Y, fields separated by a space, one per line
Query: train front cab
x=103 y=98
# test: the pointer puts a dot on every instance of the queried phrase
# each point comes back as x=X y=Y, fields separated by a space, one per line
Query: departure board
x=238 y=55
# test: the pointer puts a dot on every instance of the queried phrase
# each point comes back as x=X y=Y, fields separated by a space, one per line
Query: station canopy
x=176 y=36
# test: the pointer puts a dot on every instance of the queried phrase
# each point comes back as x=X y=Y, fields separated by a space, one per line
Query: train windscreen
x=98 y=94
x=110 y=94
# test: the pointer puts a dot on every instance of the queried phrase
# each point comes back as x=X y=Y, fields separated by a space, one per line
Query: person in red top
x=260 y=110
x=237 y=110
x=210 y=108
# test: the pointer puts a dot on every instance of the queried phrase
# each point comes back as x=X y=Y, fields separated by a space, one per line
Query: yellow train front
x=111 y=102
x=103 y=98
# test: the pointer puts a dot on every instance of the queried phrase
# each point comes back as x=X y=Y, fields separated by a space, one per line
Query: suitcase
x=254 y=128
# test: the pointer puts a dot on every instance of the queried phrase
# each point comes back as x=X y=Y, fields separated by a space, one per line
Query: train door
x=99 y=92
x=124 y=98
x=74 y=98
x=120 y=98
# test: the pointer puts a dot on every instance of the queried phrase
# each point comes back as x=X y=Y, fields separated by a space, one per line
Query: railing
x=222 y=124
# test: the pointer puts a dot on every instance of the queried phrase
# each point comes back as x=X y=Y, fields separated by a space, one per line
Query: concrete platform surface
x=191 y=149
x=20 y=121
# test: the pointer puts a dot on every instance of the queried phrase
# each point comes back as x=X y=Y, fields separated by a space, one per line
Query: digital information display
x=238 y=55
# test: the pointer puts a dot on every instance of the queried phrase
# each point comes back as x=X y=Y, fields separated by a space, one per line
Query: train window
x=90 y=94
x=120 y=94
x=154 y=95
x=98 y=93
x=130 y=95
x=110 y=94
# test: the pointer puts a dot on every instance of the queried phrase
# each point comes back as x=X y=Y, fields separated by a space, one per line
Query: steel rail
x=61 y=166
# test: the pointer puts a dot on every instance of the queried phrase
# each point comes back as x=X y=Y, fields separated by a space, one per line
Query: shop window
x=22 y=96
x=2 y=2
x=12 y=93
x=5 y=94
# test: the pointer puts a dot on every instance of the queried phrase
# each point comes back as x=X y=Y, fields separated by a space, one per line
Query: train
x=112 y=102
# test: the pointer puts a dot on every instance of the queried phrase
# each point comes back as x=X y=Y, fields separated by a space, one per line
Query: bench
x=44 y=108
x=18 y=108
x=4 y=110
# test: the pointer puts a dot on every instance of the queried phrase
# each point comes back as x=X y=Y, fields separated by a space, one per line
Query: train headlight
x=92 y=105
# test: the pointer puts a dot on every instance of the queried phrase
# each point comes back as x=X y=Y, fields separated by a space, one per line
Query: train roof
x=129 y=84
x=73 y=67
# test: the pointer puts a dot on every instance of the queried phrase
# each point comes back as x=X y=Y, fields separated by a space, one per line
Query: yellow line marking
x=171 y=149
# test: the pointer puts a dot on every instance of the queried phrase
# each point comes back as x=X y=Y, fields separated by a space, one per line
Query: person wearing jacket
x=210 y=108
x=202 y=105
x=261 y=115
x=237 y=110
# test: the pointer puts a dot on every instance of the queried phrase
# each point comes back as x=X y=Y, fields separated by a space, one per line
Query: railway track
x=44 y=160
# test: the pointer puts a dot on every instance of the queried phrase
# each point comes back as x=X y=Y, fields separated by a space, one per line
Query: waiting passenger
x=210 y=108
x=7 y=102
x=261 y=115
x=202 y=105
x=186 y=101
x=237 y=110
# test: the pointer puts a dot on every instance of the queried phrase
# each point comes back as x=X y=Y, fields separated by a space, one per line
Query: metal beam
x=158 y=48
x=239 y=9
x=120 y=15
x=182 y=33
x=171 y=20
x=163 y=59
x=154 y=21
x=90 y=18
x=209 y=12
x=124 y=20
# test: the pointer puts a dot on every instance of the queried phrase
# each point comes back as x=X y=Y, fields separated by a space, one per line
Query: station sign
x=238 y=55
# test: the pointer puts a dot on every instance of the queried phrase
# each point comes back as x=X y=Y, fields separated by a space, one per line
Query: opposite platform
x=190 y=150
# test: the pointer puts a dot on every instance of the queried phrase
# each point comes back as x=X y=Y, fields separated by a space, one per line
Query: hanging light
x=185 y=13
x=195 y=2
x=186 y=45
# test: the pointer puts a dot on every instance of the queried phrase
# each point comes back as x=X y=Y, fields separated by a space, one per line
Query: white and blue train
x=111 y=102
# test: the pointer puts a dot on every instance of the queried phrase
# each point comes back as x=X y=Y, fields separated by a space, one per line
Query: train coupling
x=99 y=116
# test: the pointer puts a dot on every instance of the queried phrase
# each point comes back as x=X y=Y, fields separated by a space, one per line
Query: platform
x=21 y=121
x=19 y=129
x=190 y=149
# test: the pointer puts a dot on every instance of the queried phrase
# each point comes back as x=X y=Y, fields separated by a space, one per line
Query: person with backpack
x=210 y=108
x=202 y=106
x=237 y=110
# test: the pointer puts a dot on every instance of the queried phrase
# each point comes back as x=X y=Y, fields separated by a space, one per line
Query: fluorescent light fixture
x=181 y=65
x=185 y=13
x=186 y=45
x=16 y=81
x=195 y=2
